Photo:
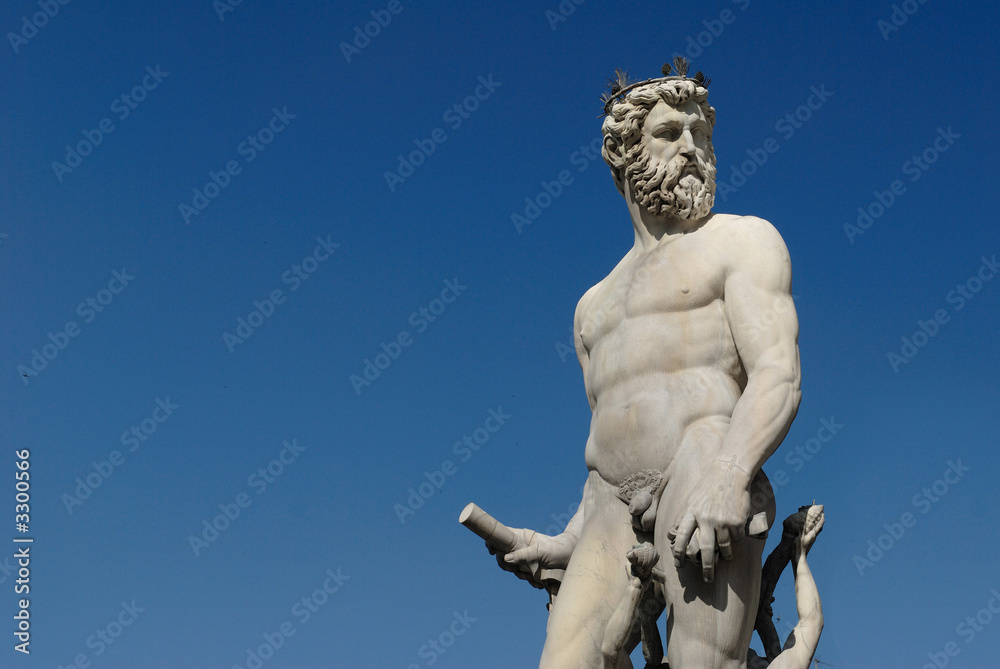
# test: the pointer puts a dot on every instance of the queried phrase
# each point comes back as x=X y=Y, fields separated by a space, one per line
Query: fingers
x=725 y=544
x=809 y=537
x=523 y=555
x=680 y=537
x=814 y=531
x=707 y=539
x=813 y=515
x=737 y=533
x=694 y=547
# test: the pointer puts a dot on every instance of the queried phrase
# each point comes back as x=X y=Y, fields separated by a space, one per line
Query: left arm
x=758 y=291
x=762 y=319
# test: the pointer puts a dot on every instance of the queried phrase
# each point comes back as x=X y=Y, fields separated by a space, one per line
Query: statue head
x=658 y=142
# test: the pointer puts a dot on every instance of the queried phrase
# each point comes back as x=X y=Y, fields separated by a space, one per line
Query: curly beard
x=680 y=189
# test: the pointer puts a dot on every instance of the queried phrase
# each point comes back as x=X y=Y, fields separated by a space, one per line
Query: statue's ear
x=615 y=157
x=613 y=152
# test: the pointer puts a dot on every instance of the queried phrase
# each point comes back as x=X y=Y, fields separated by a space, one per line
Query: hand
x=812 y=526
x=534 y=552
x=714 y=516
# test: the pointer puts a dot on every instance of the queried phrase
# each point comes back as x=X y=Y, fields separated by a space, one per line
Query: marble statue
x=691 y=366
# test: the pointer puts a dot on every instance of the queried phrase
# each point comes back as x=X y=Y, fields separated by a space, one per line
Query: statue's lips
x=691 y=169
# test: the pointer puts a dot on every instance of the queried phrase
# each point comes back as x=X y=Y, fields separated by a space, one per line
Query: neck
x=651 y=229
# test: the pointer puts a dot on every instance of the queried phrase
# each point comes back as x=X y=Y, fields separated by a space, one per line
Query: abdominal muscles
x=652 y=380
x=645 y=423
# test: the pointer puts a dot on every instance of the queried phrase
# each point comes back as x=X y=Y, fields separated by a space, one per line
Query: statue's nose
x=687 y=146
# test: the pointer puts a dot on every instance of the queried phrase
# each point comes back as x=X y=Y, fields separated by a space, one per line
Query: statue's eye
x=669 y=134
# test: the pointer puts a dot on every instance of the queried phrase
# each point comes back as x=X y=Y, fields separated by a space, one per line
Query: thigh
x=595 y=581
x=708 y=624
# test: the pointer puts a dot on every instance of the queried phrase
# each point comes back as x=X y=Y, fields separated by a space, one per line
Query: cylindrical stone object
x=489 y=528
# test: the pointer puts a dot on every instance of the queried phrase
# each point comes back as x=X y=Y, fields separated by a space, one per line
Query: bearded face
x=683 y=187
x=671 y=169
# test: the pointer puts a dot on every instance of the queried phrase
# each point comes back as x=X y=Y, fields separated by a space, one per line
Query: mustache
x=695 y=165
x=665 y=187
x=692 y=167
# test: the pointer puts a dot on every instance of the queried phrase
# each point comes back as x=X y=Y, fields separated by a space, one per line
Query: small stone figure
x=800 y=531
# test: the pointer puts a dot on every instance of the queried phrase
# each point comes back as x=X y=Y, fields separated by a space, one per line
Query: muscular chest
x=659 y=291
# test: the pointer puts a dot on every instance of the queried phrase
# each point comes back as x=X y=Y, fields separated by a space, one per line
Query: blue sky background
x=498 y=346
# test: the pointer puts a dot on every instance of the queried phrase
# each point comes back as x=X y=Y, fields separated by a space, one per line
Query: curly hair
x=623 y=126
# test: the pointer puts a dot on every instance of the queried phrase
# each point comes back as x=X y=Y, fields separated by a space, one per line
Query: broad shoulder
x=746 y=229
x=751 y=245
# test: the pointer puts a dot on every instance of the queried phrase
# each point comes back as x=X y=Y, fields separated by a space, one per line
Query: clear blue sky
x=299 y=134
